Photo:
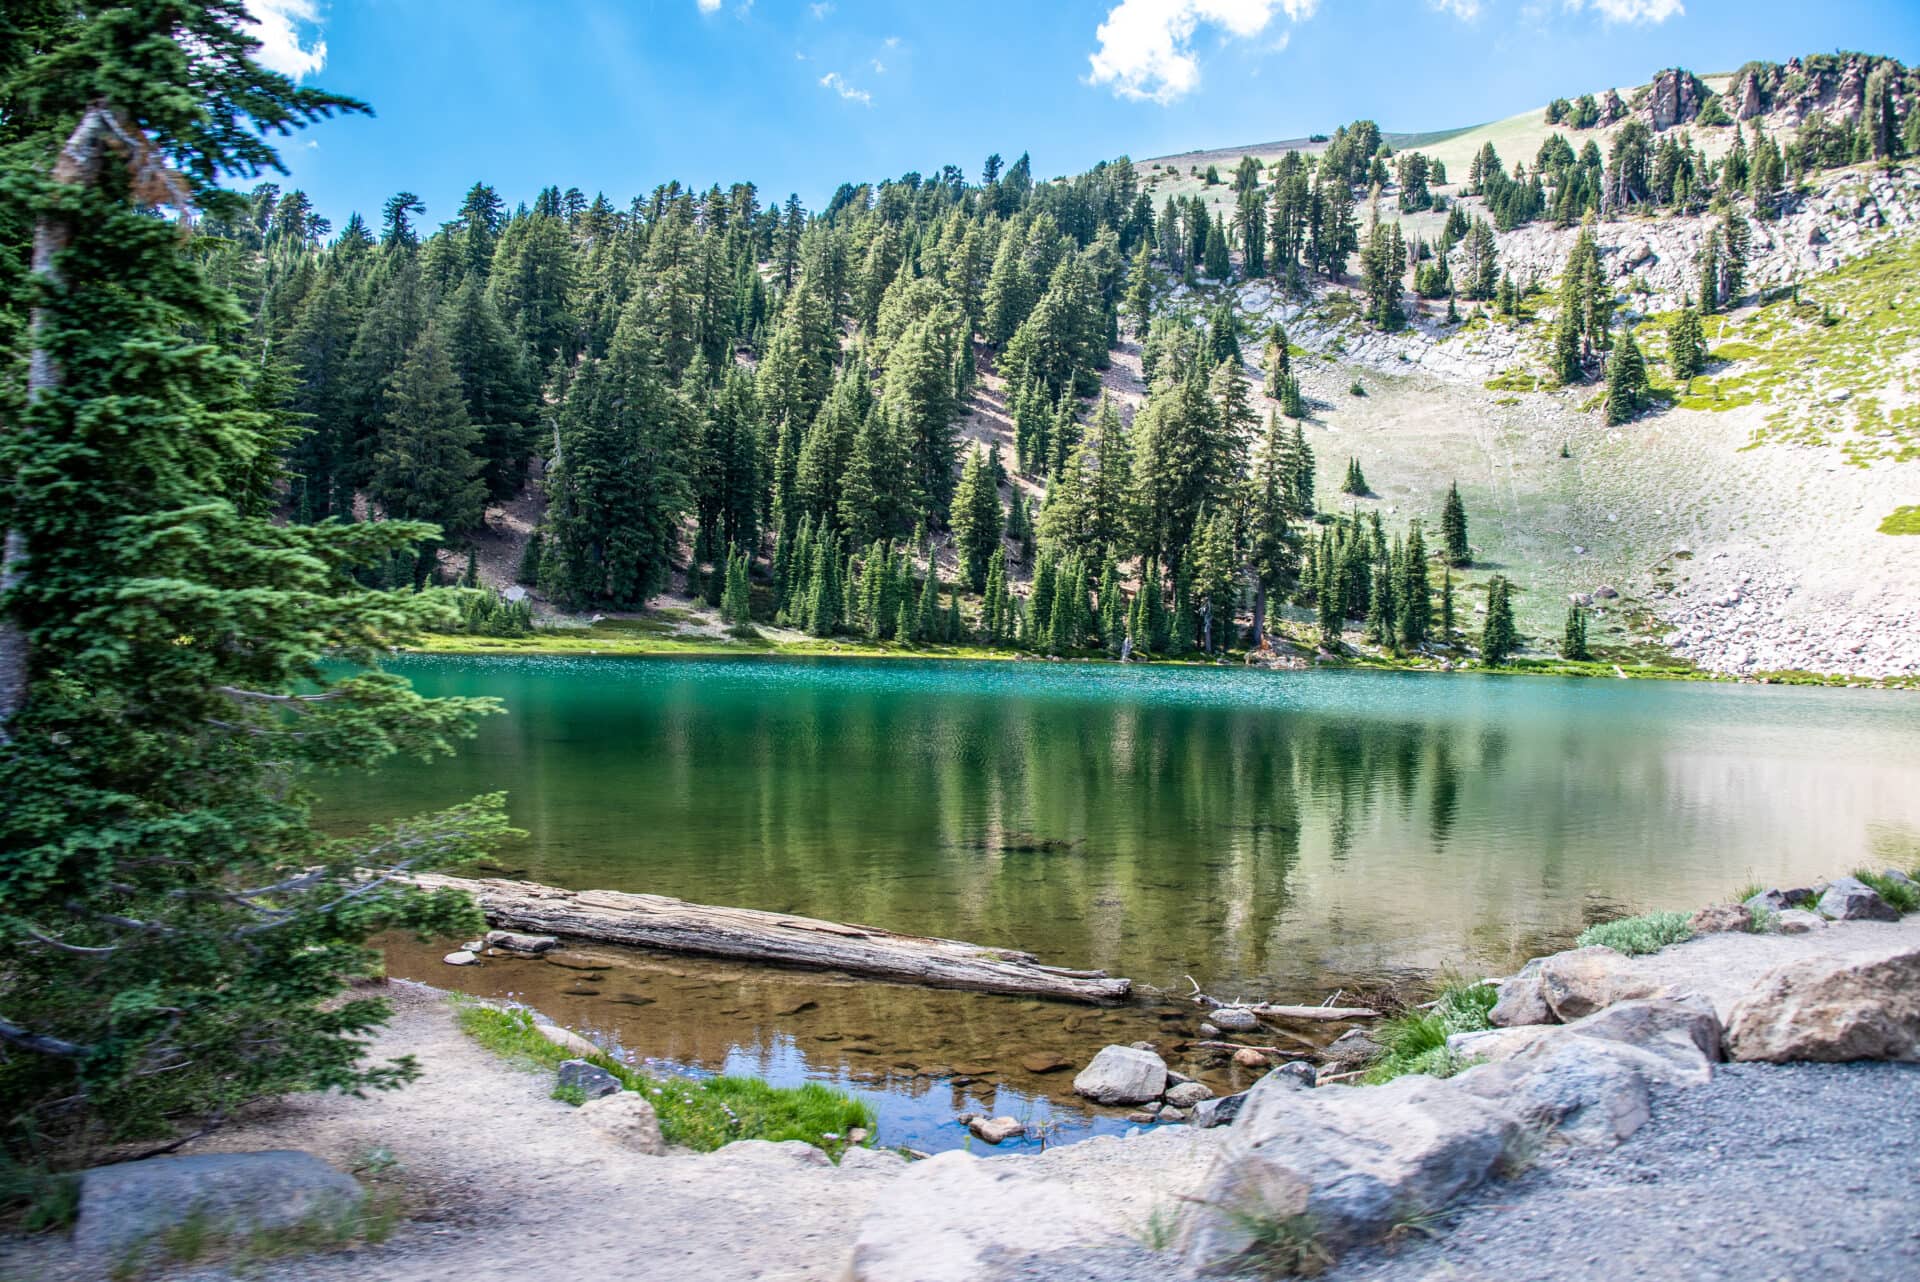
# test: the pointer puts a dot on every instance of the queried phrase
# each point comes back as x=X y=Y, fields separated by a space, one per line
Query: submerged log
x=674 y=925
x=1330 y=1013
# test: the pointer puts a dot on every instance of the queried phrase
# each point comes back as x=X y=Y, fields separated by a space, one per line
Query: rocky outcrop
x=1523 y=1000
x=1747 y=92
x=1832 y=1009
x=1674 y=98
x=1612 y=110
x=1584 y=980
x=126 y=1209
x=628 y=1120
x=1720 y=917
x=1122 y=1075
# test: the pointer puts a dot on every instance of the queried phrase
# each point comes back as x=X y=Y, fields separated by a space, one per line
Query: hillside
x=1747 y=516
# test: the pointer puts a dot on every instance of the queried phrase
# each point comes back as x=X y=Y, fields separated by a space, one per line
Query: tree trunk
x=673 y=925
x=1260 y=616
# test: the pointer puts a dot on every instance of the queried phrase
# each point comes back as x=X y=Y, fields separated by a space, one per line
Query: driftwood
x=1326 y=1011
x=674 y=925
x=1242 y=1046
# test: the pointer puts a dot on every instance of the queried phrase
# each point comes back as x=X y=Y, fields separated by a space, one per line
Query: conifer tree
x=736 y=604
x=427 y=468
x=1573 y=642
x=1453 y=528
x=1686 y=345
x=1626 y=379
x=1497 y=639
x=993 y=611
x=1181 y=627
x=1356 y=480
x=824 y=605
x=1446 y=606
x=1040 y=597
x=929 y=622
x=160 y=685
x=1113 y=608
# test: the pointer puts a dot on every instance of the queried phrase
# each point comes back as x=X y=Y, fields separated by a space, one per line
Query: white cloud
x=891 y=42
x=708 y=6
x=879 y=67
x=1633 y=10
x=1465 y=10
x=1146 y=46
x=289 y=36
x=835 y=81
x=820 y=11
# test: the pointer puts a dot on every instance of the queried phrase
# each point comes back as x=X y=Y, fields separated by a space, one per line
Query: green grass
x=701 y=1114
x=34 y=1200
x=1647 y=933
x=1902 y=896
x=1415 y=1041
x=1902 y=520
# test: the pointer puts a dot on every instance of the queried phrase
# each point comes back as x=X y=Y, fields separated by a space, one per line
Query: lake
x=1279 y=835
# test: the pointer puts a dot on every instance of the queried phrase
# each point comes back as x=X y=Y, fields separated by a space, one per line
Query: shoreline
x=557 y=646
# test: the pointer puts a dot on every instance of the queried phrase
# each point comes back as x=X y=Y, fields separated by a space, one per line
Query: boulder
x=125 y=1209
x=1582 y=1088
x=1777 y=901
x=1187 y=1094
x=590 y=1080
x=1832 y=1009
x=1172 y=1115
x=1850 y=899
x=628 y=1120
x=565 y=1038
x=460 y=957
x=1352 y=1047
x=1798 y=921
x=997 y=1130
x=1348 y=1165
x=1298 y=1070
x=1676 y=1040
x=872 y=1159
x=947 y=1220
x=1122 y=1075
x=1233 y=1019
x=1584 y=980
x=513 y=941
x=1222 y=1111
x=1717 y=918
x=1899 y=878
x=1522 y=1002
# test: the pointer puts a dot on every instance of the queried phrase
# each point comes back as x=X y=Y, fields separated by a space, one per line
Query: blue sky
x=619 y=95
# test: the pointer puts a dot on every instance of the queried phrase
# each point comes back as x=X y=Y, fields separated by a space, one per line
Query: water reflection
x=1271 y=834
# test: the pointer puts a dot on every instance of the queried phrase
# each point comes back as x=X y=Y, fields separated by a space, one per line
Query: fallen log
x=674 y=925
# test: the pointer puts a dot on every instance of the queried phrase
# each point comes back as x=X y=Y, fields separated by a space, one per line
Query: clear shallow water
x=1273 y=834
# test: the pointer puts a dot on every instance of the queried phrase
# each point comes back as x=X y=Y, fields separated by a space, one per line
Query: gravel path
x=1789 y=1171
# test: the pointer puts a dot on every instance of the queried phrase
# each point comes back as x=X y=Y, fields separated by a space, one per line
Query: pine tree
x=976 y=519
x=928 y=622
x=736 y=605
x=427 y=468
x=1626 y=379
x=1356 y=480
x=1446 y=606
x=1573 y=643
x=1453 y=528
x=1497 y=639
x=158 y=642
x=1686 y=345
x=825 y=610
x=1181 y=627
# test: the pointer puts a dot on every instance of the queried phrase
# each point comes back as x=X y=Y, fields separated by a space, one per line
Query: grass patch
x=1900 y=894
x=1519 y=380
x=1647 y=933
x=1415 y=1041
x=1902 y=520
x=697 y=1113
x=35 y=1200
x=1282 y=1245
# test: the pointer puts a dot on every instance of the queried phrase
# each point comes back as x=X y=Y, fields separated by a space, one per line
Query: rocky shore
x=1587 y=1049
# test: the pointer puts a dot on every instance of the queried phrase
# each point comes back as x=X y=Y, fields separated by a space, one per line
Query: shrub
x=1902 y=895
x=697 y=1113
x=1647 y=933
x=1416 y=1041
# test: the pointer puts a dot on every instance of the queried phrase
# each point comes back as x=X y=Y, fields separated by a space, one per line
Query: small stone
x=514 y=942
x=1354 y=1047
x=1187 y=1094
x=460 y=957
x=1044 y=1063
x=857 y=1136
x=565 y=1038
x=1173 y=1114
x=997 y=1130
x=1774 y=901
x=590 y=1080
x=1719 y=918
x=1209 y=1030
x=628 y=1119
x=1234 y=1019
x=1140 y=1119
x=1247 y=1057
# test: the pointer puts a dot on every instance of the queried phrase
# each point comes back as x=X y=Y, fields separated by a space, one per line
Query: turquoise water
x=1280 y=834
